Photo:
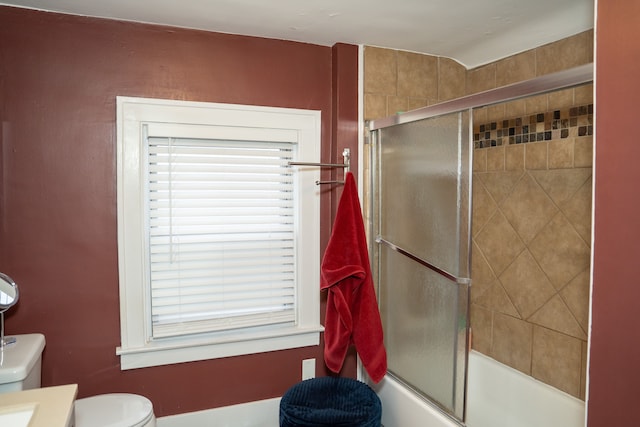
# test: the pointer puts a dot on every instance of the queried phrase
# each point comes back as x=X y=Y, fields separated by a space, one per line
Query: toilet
x=20 y=369
x=114 y=410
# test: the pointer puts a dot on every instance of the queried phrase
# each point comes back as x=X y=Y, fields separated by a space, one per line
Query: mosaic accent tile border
x=552 y=125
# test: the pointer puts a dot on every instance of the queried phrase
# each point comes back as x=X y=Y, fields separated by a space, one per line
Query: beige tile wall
x=397 y=81
x=532 y=206
x=530 y=259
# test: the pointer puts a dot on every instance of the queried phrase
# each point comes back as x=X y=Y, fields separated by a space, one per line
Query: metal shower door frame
x=540 y=85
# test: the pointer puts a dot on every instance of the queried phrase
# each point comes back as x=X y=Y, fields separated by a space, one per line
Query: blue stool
x=330 y=401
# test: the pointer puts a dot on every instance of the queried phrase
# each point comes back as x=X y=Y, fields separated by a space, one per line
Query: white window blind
x=221 y=234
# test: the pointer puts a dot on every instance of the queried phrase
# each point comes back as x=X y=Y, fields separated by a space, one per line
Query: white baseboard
x=262 y=413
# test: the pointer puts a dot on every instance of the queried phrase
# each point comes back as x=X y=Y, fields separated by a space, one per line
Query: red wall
x=59 y=76
x=614 y=375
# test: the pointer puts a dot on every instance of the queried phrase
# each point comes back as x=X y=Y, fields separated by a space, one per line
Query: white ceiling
x=473 y=32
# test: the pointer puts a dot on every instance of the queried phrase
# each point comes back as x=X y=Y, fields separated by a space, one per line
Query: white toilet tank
x=21 y=363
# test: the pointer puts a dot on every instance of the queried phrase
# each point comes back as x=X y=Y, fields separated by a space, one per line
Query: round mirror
x=8 y=292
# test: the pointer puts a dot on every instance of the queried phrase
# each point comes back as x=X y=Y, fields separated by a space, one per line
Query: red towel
x=352 y=310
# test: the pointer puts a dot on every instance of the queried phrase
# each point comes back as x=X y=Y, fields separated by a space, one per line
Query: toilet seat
x=114 y=410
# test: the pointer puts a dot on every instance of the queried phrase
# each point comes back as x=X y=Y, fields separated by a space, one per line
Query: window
x=218 y=237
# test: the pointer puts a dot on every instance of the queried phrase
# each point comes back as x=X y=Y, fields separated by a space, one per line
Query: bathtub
x=497 y=396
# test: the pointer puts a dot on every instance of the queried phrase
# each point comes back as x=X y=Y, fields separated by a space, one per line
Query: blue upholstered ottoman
x=330 y=401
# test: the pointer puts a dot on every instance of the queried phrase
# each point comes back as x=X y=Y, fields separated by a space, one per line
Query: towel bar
x=346 y=155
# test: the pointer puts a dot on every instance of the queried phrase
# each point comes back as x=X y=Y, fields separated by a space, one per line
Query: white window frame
x=137 y=349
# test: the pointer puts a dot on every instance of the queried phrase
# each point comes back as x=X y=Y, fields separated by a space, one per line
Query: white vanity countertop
x=54 y=405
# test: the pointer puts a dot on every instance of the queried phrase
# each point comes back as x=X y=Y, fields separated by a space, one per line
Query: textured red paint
x=59 y=76
x=614 y=373
x=345 y=112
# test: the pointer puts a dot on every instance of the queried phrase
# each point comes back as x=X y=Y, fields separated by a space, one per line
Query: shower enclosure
x=419 y=216
x=421 y=228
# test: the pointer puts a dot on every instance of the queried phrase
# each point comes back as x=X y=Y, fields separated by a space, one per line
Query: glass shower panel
x=421 y=223
x=420 y=326
x=422 y=189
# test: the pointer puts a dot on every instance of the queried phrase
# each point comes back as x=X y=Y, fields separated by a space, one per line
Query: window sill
x=165 y=352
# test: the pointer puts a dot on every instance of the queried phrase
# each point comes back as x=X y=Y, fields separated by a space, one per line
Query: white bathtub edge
x=402 y=407
x=498 y=396
x=518 y=399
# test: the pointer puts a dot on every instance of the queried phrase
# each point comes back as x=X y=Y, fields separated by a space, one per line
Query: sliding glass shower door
x=420 y=216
